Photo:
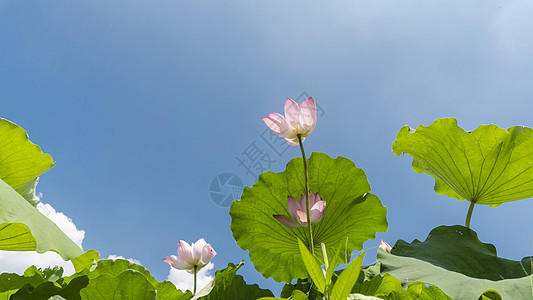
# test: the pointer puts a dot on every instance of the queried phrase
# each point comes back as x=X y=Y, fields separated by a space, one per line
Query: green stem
x=326 y=265
x=324 y=255
x=469 y=214
x=309 y=226
x=195 y=271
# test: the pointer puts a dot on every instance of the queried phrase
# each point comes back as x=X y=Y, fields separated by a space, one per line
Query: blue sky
x=142 y=103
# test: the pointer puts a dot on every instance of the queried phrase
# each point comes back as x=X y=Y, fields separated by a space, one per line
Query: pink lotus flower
x=385 y=247
x=198 y=255
x=300 y=119
x=297 y=210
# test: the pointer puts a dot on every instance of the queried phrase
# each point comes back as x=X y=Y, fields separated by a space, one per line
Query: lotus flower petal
x=293 y=206
x=319 y=206
x=299 y=119
x=308 y=115
x=294 y=141
x=297 y=210
x=286 y=221
x=197 y=248
x=277 y=124
x=198 y=255
x=302 y=217
x=177 y=263
x=385 y=247
x=312 y=199
x=302 y=203
x=292 y=113
x=207 y=254
x=185 y=251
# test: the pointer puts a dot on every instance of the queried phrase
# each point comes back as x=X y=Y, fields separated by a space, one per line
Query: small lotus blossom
x=298 y=211
x=197 y=255
x=300 y=119
x=384 y=246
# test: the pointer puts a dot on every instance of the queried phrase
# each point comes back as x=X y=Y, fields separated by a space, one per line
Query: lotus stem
x=195 y=272
x=309 y=226
x=469 y=214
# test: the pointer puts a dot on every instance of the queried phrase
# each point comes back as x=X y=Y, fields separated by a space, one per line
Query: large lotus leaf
x=15 y=210
x=21 y=161
x=114 y=269
x=453 y=258
x=16 y=236
x=85 y=261
x=40 y=284
x=129 y=284
x=10 y=283
x=48 y=289
x=295 y=295
x=229 y=285
x=22 y=227
x=390 y=287
x=352 y=215
x=303 y=286
x=489 y=165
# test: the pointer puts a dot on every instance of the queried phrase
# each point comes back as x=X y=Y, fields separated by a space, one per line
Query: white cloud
x=131 y=260
x=18 y=261
x=63 y=222
x=185 y=281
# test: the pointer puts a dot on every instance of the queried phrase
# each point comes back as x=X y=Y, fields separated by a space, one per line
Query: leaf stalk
x=469 y=214
x=195 y=272
x=306 y=171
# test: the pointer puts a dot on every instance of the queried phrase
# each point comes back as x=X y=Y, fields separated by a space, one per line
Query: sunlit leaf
x=113 y=270
x=229 y=285
x=22 y=226
x=453 y=258
x=129 y=284
x=361 y=297
x=302 y=285
x=352 y=215
x=296 y=295
x=86 y=260
x=313 y=267
x=347 y=279
x=14 y=209
x=10 y=283
x=489 y=165
x=389 y=287
x=48 y=289
x=21 y=161
x=40 y=284
x=16 y=237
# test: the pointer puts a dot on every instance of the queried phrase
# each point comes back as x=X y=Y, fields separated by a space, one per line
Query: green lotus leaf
x=453 y=258
x=489 y=165
x=16 y=236
x=129 y=284
x=22 y=226
x=85 y=261
x=390 y=287
x=352 y=214
x=48 y=289
x=40 y=284
x=361 y=297
x=114 y=269
x=303 y=286
x=229 y=285
x=14 y=209
x=21 y=161
x=10 y=283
